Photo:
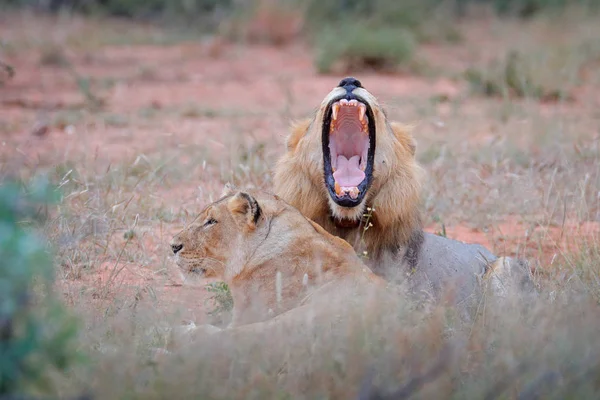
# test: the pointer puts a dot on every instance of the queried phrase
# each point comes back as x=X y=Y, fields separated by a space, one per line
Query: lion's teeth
x=352 y=191
x=363 y=159
x=334 y=111
x=361 y=112
x=343 y=102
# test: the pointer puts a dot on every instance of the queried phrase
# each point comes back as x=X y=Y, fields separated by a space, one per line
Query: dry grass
x=520 y=175
x=542 y=63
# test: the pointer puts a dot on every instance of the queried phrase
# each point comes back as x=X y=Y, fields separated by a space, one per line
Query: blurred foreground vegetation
x=36 y=332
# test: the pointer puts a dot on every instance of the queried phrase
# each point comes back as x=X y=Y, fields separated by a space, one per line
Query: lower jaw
x=347 y=201
x=349 y=213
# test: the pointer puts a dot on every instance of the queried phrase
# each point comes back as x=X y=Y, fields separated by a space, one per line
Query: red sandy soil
x=542 y=245
x=263 y=87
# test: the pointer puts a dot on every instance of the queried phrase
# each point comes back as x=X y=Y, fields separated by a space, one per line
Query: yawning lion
x=354 y=172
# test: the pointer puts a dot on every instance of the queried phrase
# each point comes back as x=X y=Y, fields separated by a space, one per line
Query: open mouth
x=348 y=149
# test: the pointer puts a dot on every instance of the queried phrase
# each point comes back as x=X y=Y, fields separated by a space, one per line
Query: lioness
x=271 y=256
x=354 y=172
x=283 y=269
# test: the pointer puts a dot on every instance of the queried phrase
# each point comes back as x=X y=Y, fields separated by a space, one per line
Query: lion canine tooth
x=334 y=111
x=361 y=112
x=338 y=190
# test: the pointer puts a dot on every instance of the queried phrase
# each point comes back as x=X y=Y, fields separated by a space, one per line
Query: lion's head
x=256 y=242
x=205 y=245
x=349 y=157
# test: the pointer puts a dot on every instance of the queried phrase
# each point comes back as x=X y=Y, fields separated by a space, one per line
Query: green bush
x=35 y=331
x=378 y=34
x=358 y=46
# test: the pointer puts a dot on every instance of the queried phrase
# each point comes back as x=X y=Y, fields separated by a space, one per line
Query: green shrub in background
x=363 y=34
x=35 y=330
x=358 y=46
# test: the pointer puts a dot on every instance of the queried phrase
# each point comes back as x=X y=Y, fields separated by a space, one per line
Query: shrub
x=35 y=331
x=358 y=46
x=379 y=34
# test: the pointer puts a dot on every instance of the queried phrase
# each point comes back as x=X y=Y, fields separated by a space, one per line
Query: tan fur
x=249 y=256
x=394 y=193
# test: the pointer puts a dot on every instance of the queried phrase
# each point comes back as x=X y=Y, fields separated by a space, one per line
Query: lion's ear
x=245 y=210
x=412 y=146
x=404 y=136
x=299 y=129
x=229 y=189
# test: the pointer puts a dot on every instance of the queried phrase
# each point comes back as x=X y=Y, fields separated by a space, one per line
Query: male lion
x=354 y=172
x=272 y=257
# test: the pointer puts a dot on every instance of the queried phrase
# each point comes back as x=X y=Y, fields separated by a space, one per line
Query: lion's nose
x=176 y=248
x=350 y=84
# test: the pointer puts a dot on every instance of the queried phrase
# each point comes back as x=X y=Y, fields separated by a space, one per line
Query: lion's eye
x=210 y=221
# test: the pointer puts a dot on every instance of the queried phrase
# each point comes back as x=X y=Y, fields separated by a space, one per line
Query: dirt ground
x=178 y=119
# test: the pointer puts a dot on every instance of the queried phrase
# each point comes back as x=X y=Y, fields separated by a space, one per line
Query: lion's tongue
x=348 y=173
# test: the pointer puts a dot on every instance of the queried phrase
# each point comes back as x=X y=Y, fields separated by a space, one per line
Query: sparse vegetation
x=549 y=72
